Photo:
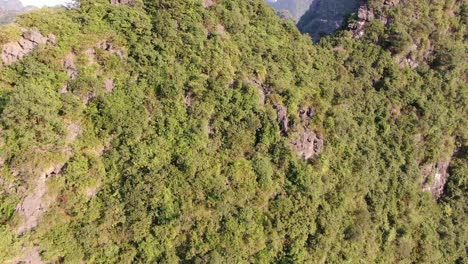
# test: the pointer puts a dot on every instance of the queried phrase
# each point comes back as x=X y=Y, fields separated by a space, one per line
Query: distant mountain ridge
x=9 y=9
x=316 y=17
x=11 y=5
x=293 y=9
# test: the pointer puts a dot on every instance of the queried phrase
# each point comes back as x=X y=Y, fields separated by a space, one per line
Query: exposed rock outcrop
x=109 y=85
x=282 y=117
x=74 y=130
x=109 y=47
x=72 y=70
x=122 y=2
x=91 y=54
x=31 y=39
x=208 y=3
x=366 y=14
x=435 y=177
x=35 y=204
x=69 y=64
x=308 y=145
x=306 y=114
x=30 y=256
x=306 y=142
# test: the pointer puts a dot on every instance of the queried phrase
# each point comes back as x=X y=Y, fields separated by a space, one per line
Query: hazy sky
x=41 y=3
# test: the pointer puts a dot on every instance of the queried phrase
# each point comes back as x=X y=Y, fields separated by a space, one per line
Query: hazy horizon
x=40 y=3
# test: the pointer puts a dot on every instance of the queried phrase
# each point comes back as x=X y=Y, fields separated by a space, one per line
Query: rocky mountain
x=212 y=131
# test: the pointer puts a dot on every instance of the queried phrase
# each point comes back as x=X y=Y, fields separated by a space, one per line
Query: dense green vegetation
x=180 y=160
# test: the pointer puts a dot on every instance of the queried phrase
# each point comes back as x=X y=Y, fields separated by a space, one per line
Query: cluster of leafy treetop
x=160 y=131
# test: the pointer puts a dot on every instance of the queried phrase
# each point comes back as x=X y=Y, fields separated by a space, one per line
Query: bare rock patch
x=282 y=118
x=109 y=85
x=31 y=256
x=31 y=39
x=122 y=2
x=435 y=177
x=306 y=142
x=109 y=47
x=308 y=145
x=208 y=3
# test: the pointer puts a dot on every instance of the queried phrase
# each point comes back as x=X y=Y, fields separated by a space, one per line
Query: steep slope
x=214 y=132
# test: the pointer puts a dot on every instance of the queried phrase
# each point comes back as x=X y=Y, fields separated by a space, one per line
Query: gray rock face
x=283 y=121
x=69 y=64
x=122 y=2
x=208 y=3
x=109 y=85
x=15 y=51
x=435 y=177
x=308 y=145
x=109 y=47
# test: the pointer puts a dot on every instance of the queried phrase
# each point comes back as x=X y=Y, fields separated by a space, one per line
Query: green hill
x=186 y=131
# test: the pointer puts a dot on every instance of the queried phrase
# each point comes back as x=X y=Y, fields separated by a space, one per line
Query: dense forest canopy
x=212 y=131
